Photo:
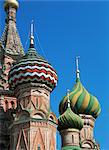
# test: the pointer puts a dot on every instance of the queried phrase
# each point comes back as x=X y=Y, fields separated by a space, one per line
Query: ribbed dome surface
x=69 y=120
x=32 y=68
x=82 y=102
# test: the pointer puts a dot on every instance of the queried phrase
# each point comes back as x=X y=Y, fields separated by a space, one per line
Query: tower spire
x=68 y=102
x=10 y=7
x=77 y=68
x=32 y=35
x=10 y=39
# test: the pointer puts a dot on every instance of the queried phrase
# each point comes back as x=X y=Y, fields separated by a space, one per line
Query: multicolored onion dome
x=82 y=102
x=69 y=120
x=32 y=68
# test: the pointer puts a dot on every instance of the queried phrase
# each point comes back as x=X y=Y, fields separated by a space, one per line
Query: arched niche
x=88 y=144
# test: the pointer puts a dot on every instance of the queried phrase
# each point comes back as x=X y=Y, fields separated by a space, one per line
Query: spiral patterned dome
x=69 y=120
x=32 y=68
x=82 y=102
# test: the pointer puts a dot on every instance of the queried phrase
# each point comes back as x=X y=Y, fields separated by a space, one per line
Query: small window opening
x=38 y=148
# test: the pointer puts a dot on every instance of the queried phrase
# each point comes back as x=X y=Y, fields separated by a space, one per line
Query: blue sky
x=67 y=29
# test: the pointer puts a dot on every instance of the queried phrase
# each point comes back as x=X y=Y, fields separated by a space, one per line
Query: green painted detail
x=71 y=148
x=69 y=120
x=82 y=102
x=31 y=54
x=4 y=68
x=36 y=102
x=91 y=102
x=98 y=110
x=75 y=89
x=62 y=106
x=81 y=99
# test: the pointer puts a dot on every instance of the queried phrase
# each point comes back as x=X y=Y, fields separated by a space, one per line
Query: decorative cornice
x=34 y=122
x=7 y=93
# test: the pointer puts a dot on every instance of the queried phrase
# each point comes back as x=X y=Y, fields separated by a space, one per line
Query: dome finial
x=12 y=3
x=77 y=67
x=32 y=35
x=68 y=102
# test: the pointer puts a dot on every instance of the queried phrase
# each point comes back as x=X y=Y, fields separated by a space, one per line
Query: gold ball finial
x=11 y=3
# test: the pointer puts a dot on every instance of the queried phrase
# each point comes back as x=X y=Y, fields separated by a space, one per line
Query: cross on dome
x=77 y=67
x=68 y=102
x=32 y=35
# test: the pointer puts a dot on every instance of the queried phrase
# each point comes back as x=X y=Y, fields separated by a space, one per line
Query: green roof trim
x=71 y=148
x=31 y=55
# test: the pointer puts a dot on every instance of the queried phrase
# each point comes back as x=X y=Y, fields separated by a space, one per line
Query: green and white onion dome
x=69 y=120
x=32 y=68
x=82 y=102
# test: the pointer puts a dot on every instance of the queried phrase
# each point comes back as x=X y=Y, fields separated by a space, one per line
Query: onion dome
x=69 y=119
x=82 y=102
x=12 y=3
x=32 y=68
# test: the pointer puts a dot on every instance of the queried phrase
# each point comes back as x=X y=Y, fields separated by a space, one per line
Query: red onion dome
x=32 y=68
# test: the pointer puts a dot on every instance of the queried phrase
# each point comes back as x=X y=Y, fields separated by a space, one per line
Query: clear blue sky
x=67 y=29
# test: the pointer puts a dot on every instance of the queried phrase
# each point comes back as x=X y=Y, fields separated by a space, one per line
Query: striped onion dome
x=32 y=68
x=82 y=101
x=69 y=120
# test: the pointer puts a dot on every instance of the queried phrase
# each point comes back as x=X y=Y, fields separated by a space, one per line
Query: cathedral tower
x=10 y=44
x=26 y=82
x=32 y=79
x=10 y=50
x=69 y=126
x=85 y=105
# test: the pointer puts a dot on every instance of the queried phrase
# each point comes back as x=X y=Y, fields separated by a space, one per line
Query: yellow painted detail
x=76 y=88
x=65 y=99
x=75 y=98
x=85 y=102
x=95 y=105
x=98 y=112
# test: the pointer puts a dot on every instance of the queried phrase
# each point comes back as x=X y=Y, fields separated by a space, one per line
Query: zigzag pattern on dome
x=39 y=77
x=32 y=68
